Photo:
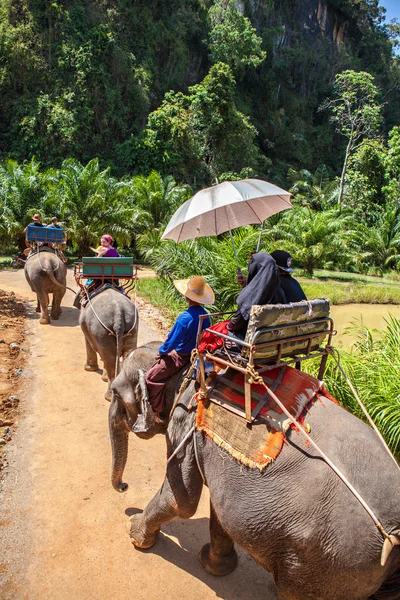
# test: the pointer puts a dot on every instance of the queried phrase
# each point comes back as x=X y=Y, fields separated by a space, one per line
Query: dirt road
x=62 y=526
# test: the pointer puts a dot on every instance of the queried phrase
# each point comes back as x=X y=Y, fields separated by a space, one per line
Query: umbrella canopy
x=224 y=207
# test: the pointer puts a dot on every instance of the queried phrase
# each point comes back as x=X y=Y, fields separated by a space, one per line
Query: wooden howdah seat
x=118 y=271
x=277 y=334
x=49 y=235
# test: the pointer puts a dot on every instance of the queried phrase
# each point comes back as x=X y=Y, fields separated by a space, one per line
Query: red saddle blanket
x=259 y=445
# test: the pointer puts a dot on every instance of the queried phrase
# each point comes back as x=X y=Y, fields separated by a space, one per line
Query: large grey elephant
x=110 y=324
x=297 y=519
x=46 y=274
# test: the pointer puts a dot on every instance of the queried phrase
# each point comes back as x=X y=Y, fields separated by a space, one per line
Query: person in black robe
x=292 y=288
x=263 y=287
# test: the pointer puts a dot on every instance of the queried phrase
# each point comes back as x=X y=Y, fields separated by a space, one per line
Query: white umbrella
x=224 y=207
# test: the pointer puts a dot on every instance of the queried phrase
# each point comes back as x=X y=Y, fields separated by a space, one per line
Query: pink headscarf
x=108 y=237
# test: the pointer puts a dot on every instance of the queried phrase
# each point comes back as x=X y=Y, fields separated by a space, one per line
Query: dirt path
x=62 y=526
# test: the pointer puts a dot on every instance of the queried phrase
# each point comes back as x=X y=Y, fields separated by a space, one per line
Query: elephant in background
x=297 y=519
x=110 y=324
x=46 y=274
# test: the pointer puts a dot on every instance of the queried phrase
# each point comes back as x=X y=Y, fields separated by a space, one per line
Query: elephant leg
x=91 y=357
x=37 y=304
x=109 y=367
x=56 y=304
x=219 y=556
x=43 y=299
x=178 y=496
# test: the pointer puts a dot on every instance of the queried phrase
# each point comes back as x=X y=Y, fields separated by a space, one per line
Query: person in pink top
x=106 y=248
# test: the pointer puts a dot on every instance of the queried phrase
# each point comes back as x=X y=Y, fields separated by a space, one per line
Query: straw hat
x=36 y=217
x=195 y=289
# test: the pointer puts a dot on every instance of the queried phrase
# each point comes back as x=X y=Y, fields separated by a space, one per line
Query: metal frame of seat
x=128 y=281
x=241 y=362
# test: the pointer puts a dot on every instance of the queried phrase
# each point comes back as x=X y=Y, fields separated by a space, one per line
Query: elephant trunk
x=119 y=433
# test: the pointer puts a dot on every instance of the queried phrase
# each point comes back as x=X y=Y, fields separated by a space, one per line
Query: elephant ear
x=146 y=419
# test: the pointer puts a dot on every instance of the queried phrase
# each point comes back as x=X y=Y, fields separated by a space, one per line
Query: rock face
x=302 y=17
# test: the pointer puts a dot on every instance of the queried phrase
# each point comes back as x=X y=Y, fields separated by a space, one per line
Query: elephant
x=110 y=324
x=296 y=518
x=46 y=274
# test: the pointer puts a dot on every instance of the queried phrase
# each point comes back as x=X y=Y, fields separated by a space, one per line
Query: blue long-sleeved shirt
x=182 y=336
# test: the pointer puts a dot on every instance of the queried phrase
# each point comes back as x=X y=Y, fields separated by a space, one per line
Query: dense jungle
x=114 y=113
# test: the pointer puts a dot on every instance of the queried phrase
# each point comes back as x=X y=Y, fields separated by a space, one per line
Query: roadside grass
x=355 y=292
x=161 y=293
x=392 y=278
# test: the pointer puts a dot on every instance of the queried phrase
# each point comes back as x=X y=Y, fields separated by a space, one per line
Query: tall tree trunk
x=343 y=176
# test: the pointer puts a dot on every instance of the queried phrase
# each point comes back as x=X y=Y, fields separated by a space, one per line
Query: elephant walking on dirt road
x=110 y=324
x=296 y=518
x=46 y=274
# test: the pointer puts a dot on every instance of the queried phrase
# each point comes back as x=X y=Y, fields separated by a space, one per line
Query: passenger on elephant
x=36 y=223
x=106 y=249
x=262 y=286
x=176 y=350
x=293 y=290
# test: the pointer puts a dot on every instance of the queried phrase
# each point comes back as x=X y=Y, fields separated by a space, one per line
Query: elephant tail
x=50 y=274
x=119 y=338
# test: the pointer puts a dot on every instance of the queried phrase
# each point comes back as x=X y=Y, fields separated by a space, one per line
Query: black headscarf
x=263 y=284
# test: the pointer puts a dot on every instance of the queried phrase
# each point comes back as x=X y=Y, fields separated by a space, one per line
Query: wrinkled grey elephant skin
x=47 y=274
x=296 y=519
x=119 y=315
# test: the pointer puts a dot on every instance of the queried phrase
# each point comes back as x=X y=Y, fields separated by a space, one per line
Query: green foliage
x=316 y=190
x=365 y=180
x=22 y=190
x=91 y=203
x=373 y=369
x=233 y=40
x=196 y=136
x=313 y=238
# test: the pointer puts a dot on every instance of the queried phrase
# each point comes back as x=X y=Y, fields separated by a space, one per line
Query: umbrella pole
x=259 y=237
x=238 y=269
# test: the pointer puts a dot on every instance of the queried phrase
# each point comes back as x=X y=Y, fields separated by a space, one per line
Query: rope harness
x=390 y=540
x=253 y=377
x=52 y=271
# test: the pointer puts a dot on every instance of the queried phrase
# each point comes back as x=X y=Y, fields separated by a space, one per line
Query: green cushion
x=121 y=266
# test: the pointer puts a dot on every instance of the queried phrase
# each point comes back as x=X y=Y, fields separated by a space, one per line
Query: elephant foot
x=55 y=317
x=138 y=538
x=44 y=321
x=104 y=376
x=218 y=564
x=88 y=367
x=108 y=396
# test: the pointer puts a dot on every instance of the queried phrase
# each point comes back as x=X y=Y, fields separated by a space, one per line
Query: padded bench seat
x=272 y=324
x=51 y=235
x=95 y=267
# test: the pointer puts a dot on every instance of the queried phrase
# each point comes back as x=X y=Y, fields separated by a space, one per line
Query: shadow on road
x=249 y=580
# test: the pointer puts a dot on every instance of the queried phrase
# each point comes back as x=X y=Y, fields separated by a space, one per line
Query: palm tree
x=316 y=190
x=22 y=190
x=91 y=202
x=158 y=197
x=379 y=246
x=315 y=239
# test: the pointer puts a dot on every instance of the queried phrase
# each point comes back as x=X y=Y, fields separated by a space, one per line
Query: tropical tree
x=379 y=246
x=212 y=257
x=158 y=197
x=314 y=239
x=233 y=39
x=196 y=137
x=22 y=191
x=355 y=112
x=315 y=190
x=91 y=202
